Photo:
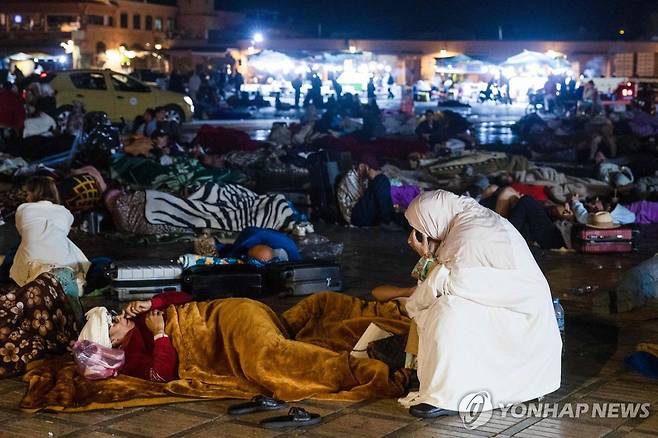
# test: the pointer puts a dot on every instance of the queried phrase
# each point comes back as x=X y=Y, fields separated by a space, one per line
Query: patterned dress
x=36 y=320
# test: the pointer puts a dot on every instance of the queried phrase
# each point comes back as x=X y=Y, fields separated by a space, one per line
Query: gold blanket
x=237 y=348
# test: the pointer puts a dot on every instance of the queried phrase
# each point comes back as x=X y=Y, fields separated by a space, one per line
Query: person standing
x=297 y=86
x=390 y=83
x=238 y=80
x=194 y=84
x=371 y=89
x=338 y=89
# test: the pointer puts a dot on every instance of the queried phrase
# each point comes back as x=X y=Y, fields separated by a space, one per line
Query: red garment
x=146 y=359
x=220 y=140
x=12 y=112
x=536 y=191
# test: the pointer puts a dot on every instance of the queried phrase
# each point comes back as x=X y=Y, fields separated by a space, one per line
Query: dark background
x=465 y=19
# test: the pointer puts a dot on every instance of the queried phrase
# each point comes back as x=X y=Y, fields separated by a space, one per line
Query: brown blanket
x=237 y=348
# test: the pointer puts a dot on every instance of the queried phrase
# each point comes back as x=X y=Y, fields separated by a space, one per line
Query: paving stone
x=92 y=417
x=553 y=427
x=388 y=408
x=231 y=429
x=34 y=427
x=97 y=434
x=158 y=423
x=358 y=425
x=627 y=390
x=211 y=408
x=650 y=424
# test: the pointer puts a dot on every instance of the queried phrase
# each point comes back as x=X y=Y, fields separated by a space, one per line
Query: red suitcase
x=604 y=247
x=601 y=241
x=609 y=235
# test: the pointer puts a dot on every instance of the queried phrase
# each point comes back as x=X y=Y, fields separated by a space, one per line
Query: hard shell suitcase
x=609 y=235
x=303 y=278
x=604 y=247
x=141 y=280
x=223 y=281
x=602 y=241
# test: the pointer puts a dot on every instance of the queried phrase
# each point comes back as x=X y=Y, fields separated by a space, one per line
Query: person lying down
x=238 y=347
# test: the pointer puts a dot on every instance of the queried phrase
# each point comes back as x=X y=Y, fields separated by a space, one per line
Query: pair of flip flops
x=296 y=416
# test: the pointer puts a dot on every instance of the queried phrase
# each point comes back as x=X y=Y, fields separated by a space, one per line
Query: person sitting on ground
x=44 y=225
x=147 y=126
x=262 y=244
x=162 y=123
x=375 y=207
x=39 y=124
x=426 y=128
x=163 y=149
x=484 y=277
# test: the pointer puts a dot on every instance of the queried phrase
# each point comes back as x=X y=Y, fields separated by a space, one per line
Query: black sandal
x=296 y=417
x=259 y=403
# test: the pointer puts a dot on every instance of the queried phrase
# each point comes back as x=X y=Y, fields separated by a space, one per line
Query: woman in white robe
x=44 y=226
x=484 y=313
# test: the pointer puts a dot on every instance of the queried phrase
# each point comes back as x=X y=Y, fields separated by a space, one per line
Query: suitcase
x=303 y=278
x=604 y=247
x=223 y=281
x=602 y=241
x=323 y=174
x=142 y=280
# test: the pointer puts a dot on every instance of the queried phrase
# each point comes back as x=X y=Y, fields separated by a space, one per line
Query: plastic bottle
x=559 y=315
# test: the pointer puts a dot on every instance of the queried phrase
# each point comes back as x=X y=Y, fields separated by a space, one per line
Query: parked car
x=117 y=94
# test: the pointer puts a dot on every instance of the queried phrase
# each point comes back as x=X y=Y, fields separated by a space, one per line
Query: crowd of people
x=472 y=216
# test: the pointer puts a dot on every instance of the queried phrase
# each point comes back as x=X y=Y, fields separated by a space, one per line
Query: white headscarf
x=97 y=328
x=471 y=235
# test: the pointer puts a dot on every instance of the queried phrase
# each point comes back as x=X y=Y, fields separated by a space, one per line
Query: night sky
x=463 y=19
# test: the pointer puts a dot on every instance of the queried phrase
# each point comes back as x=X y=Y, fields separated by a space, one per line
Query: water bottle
x=559 y=315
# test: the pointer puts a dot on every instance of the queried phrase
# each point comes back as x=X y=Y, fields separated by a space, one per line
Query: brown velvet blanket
x=237 y=348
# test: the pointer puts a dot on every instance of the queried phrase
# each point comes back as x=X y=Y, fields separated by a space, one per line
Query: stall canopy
x=463 y=64
x=528 y=57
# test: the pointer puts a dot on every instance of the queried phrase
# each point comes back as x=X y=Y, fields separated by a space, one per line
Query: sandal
x=296 y=417
x=259 y=403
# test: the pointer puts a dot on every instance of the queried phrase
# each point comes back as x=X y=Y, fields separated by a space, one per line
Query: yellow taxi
x=121 y=96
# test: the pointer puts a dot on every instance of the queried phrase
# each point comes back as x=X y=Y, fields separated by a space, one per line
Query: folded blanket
x=229 y=208
x=237 y=348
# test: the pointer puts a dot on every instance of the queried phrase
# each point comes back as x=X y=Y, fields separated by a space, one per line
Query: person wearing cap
x=163 y=149
x=375 y=207
x=619 y=214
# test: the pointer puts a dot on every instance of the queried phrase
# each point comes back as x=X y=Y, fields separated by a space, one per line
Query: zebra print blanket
x=229 y=207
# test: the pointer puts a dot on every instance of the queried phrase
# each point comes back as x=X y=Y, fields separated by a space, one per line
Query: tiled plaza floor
x=593 y=369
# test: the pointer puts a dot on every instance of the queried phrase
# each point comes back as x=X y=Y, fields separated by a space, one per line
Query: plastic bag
x=96 y=362
x=641 y=282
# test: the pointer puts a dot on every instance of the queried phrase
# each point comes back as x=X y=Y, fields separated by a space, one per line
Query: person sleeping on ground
x=227 y=207
x=484 y=312
x=228 y=348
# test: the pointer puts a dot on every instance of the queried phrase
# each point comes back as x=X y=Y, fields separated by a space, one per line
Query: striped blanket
x=229 y=207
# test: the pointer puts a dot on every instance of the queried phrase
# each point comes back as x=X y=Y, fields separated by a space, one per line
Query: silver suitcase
x=141 y=280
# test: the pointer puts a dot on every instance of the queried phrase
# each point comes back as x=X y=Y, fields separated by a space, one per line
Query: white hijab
x=471 y=235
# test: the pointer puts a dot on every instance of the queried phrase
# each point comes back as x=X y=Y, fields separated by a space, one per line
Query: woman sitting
x=484 y=313
x=44 y=226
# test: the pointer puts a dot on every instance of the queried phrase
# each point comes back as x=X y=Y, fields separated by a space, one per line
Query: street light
x=258 y=37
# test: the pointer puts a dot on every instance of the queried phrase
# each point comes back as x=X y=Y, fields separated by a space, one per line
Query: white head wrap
x=471 y=235
x=97 y=328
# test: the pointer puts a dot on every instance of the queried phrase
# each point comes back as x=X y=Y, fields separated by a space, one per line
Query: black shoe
x=423 y=410
x=259 y=403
